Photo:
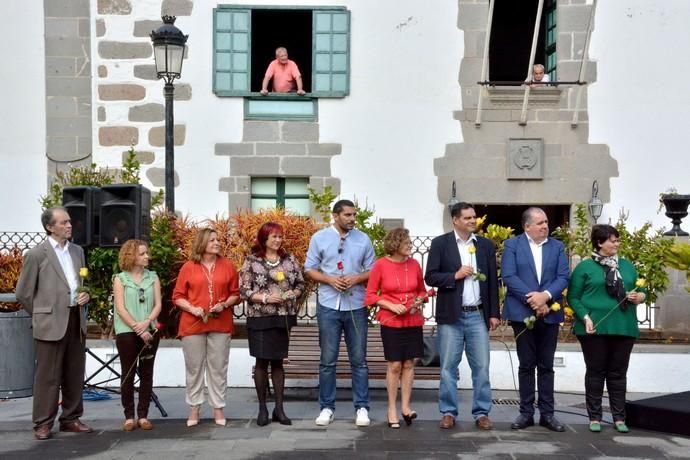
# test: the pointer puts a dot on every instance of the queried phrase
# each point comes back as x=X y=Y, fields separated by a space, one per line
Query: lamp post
x=452 y=201
x=595 y=205
x=168 y=52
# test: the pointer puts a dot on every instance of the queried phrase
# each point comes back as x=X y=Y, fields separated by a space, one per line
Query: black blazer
x=444 y=261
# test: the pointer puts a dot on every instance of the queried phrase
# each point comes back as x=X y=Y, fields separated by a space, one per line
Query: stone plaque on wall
x=389 y=223
x=525 y=159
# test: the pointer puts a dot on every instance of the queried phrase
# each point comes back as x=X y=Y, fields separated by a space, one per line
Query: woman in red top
x=396 y=286
x=206 y=289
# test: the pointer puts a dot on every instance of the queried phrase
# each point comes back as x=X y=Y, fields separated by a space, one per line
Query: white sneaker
x=362 y=418
x=324 y=418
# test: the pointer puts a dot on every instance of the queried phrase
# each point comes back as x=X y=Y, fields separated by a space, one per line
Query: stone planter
x=17 y=356
x=676 y=209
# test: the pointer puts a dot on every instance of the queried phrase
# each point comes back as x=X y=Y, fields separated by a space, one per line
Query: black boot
x=278 y=378
x=261 y=384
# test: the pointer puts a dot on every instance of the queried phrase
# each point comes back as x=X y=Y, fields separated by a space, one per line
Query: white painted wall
x=647 y=363
x=405 y=59
x=23 y=169
x=640 y=103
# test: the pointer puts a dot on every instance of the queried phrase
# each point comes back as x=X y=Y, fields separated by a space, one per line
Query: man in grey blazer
x=47 y=288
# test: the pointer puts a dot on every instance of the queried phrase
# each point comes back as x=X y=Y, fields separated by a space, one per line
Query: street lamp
x=168 y=52
x=453 y=200
x=595 y=205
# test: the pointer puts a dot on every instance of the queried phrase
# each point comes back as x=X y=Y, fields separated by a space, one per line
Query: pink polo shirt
x=284 y=76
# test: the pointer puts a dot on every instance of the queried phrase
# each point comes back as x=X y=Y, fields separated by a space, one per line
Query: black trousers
x=535 y=350
x=606 y=359
x=136 y=356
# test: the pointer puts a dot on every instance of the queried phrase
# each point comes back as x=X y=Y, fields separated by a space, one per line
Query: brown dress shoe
x=129 y=425
x=144 y=424
x=42 y=432
x=483 y=423
x=75 y=426
x=447 y=422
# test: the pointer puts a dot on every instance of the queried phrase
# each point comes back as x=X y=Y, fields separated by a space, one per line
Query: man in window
x=285 y=74
x=538 y=77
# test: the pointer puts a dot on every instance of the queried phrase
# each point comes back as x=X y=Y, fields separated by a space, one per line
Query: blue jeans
x=332 y=323
x=469 y=333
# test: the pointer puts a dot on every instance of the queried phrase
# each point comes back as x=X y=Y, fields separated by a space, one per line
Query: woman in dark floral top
x=271 y=281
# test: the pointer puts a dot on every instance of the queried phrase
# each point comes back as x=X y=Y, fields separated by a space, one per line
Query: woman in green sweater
x=603 y=295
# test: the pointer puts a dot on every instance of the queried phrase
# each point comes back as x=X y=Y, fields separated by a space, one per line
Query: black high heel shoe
x=281 y=417
x=394 y=425
x=409 y=417
x=262 y=418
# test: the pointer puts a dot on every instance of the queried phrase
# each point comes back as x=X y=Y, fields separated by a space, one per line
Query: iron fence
x=420 y=251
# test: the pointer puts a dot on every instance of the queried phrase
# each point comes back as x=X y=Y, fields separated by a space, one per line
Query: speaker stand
x=106 y=365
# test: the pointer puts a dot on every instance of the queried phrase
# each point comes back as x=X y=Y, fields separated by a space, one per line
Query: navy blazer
x=519 y=274
x=444 y=261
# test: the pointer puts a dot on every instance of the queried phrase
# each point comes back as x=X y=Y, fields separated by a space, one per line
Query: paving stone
x=144 y=28
x=118 y=135
x=157 y=178
x=147 y=112
x=124 y=50
x=114 y=7
x=121 y=92
x=177 y=7
x=145 y=71
x=157 y=135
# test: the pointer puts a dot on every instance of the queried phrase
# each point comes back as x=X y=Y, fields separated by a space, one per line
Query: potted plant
x=678 y=257
x=676 y=206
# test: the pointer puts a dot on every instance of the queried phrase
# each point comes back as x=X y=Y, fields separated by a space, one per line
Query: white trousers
x=206 y=355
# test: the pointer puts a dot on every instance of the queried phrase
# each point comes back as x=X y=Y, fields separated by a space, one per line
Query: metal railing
x=420 y=251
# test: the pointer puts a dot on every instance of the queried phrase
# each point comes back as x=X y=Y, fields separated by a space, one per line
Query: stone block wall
x=276 y=149
x=480 y=165
x=68 y=84
x=129 y=104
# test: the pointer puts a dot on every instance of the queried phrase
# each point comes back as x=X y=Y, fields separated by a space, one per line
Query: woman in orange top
x=206 y=289
x=397 y=288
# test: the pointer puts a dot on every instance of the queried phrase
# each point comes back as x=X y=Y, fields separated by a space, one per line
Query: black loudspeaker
x=125 y=214
x=82 y=206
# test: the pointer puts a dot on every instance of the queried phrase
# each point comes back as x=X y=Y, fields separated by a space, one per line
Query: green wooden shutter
x=231 y=44
x=331 y=53
x=550 y=61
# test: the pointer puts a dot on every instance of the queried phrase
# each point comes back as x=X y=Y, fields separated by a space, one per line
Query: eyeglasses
x=341 y=245
x=142 y=297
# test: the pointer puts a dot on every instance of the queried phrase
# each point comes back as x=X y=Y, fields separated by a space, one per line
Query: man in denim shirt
x=339 y=259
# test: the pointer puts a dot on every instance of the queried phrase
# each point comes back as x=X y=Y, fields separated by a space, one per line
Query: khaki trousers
x=206 y=355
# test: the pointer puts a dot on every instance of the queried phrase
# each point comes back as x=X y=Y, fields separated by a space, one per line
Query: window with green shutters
x=233 y=58
x=550 y=45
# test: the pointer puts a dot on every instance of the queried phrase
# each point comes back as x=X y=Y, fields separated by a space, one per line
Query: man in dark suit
x=462 y=266
x=535 y=270
x=48 y=290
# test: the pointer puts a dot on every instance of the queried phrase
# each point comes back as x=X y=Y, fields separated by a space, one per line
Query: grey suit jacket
x=44 y=292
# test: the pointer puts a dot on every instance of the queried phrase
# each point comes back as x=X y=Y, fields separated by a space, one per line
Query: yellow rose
x=565 y=292
x=472 y=249
x=569 y=311
x=279 y=276
x=640 y=283
x=83 y=272
x=555 y=306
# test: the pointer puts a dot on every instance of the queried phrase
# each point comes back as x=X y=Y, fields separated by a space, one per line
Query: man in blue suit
x=535 y=271
x=462 y=266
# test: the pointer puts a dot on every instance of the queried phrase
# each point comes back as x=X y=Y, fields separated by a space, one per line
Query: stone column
x=672 y=316
x=68 y=84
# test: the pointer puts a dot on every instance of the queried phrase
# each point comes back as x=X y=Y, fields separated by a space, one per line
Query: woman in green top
x=137 y=297
x=602 y=293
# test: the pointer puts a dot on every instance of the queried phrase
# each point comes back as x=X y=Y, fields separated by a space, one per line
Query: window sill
x=280 y=107
x=512 y=96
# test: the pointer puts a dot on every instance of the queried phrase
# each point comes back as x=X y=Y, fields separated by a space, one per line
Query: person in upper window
x=539 y=77
x=285 y=74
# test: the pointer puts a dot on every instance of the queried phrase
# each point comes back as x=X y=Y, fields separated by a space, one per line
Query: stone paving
x=242 y=439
